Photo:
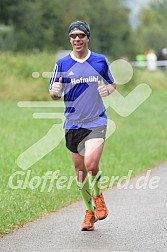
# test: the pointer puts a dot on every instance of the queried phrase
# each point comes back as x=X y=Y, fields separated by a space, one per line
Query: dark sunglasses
x=80 y=35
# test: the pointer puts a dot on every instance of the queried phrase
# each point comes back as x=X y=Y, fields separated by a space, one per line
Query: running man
x=84 y=78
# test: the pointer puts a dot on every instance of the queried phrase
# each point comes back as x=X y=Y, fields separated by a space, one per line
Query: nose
x=77 y=37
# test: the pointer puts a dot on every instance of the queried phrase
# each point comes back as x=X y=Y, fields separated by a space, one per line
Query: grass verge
x=138 y=143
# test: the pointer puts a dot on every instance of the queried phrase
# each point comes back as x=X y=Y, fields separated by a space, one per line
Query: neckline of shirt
x=80 y=60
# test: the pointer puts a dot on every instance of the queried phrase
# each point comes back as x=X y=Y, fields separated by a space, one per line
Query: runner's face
x=79 y=44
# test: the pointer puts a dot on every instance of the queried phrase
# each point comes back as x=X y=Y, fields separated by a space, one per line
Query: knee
x=92 y=166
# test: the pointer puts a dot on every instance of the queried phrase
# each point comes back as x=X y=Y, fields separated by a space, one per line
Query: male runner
x=84 y=78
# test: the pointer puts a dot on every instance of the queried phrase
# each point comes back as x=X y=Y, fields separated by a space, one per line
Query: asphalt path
x=137 y=222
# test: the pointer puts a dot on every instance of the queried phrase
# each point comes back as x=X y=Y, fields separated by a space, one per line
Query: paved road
x=137 y=222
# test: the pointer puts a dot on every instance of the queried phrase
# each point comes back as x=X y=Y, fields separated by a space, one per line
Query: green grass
x=138 y=143
x=16 y=78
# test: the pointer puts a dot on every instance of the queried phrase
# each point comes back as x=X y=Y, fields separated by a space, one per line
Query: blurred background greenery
x=119 y=27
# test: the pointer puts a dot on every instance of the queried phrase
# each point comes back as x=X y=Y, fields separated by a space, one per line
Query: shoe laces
x=99 y=203
x=88 y=216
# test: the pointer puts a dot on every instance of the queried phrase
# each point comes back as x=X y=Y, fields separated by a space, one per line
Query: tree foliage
x=151 y=33
x=43 y=25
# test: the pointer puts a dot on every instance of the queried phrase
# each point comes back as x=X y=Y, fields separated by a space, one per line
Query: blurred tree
x=110 y=27
x=7 y=38
x=151 y=31
x=44 y=24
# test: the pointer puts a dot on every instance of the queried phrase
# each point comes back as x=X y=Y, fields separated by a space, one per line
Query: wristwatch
x=109 y=91
x=57 y=95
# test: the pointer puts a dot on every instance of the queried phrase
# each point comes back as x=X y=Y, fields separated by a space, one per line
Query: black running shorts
x=76 y=138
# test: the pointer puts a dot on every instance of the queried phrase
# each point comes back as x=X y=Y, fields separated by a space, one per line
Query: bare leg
x=93 y=151
x=79 y=166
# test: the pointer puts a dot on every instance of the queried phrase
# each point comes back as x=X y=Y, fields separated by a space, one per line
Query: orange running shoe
x=88 y=224
x=101 y=210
